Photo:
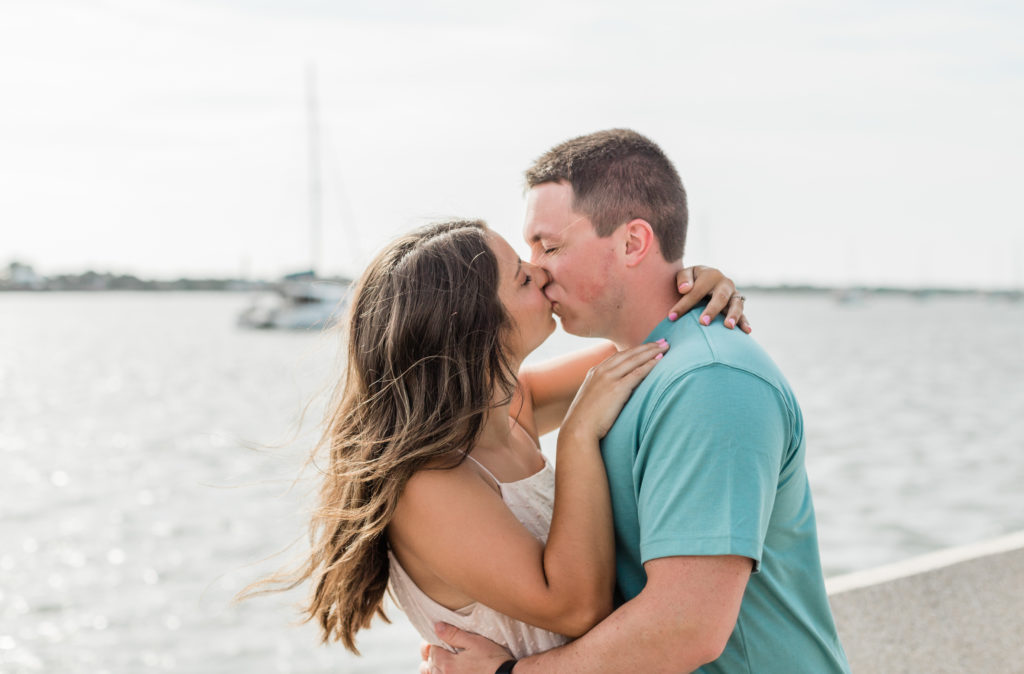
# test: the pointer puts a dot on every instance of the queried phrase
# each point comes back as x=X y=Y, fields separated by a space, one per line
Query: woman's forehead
x=502 y=249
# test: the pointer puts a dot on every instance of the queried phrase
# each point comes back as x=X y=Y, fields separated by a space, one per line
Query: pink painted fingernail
x=684 y=286
x=730 y=323
x=705 y=319
x=673 y=316
x=659 y=356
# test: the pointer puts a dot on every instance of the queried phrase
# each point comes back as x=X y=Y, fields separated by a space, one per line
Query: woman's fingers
x=735 y=313
x=624 y=362
x=719 y=300
x=637 y=374
x=696 y=283
x=685 y=303
x=608 y=387
x=684 y=280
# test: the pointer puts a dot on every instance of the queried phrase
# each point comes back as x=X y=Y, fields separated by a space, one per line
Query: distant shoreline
x=23 y=278
x=132 y=284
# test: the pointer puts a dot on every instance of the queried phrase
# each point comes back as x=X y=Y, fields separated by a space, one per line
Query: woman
x=435 y=483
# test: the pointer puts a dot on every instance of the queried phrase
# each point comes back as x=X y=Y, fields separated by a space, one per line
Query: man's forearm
x=643 y=635
x=682 y=619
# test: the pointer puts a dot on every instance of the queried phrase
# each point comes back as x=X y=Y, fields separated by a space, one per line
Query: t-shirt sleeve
x=707 y=465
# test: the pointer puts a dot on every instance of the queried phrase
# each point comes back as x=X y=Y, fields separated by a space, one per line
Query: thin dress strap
x=484 y=468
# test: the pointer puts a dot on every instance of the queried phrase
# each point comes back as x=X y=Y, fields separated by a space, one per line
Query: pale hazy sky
x=827 y=142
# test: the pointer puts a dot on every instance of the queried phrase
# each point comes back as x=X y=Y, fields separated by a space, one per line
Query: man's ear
x=640 y=241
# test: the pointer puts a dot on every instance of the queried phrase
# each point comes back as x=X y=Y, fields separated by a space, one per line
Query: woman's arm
x=455 y=524
x=547 y=388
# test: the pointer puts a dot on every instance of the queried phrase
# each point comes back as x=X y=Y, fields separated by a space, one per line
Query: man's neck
x=649 y=297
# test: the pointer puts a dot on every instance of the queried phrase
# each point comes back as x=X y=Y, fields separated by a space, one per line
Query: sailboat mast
x=315 y=186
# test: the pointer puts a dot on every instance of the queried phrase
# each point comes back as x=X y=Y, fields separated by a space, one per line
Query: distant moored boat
x=300 y=301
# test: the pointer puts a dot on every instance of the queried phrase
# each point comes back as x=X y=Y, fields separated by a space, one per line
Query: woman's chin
x=541 y=338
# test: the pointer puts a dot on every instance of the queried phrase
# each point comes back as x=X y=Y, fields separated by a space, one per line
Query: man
x=716 y=544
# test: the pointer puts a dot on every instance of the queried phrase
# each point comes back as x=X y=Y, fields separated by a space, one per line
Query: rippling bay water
x=149 y=446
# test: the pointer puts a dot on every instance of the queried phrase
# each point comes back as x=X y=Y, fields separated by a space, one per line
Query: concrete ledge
x=957 y=610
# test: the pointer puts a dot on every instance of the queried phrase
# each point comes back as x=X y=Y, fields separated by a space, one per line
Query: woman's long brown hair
x=425 y=363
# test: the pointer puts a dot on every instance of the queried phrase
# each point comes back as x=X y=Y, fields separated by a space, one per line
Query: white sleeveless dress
x=531 y=500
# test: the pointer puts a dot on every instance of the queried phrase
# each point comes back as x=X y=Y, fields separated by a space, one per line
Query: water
x=148 y=450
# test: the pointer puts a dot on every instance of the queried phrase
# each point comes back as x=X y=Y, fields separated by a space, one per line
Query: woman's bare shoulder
x=441 y=483
x=439 y=497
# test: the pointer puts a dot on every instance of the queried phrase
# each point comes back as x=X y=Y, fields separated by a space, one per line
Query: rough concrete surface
x=960 y=610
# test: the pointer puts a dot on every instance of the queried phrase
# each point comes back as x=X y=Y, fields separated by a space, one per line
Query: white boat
x=303 y=301
x=848 y=295
x=300 y=301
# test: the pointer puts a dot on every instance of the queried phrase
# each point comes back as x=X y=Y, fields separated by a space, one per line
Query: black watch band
x=506 y=667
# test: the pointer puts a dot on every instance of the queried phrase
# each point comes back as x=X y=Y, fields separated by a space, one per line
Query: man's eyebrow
x=546 y=234
x=541 y=233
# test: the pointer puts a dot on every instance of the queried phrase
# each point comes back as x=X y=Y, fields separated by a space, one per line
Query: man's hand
x=477 y=654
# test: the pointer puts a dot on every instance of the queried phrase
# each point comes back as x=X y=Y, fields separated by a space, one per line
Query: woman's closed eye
x=527 y=280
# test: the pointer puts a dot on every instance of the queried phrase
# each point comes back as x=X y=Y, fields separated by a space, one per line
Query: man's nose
x=540 y=275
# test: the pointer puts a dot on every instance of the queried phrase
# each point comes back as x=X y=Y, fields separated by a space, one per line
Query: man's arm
x=682 y=619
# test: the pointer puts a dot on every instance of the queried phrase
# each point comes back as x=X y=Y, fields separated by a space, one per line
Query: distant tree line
x=23 y=277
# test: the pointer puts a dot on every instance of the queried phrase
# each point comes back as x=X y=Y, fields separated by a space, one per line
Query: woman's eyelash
x=528 y=279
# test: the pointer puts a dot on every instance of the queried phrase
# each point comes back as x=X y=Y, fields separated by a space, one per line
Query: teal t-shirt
x=707 y=458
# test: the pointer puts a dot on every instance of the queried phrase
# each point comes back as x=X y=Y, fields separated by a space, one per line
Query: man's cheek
x=589 y=290
x=590 y=286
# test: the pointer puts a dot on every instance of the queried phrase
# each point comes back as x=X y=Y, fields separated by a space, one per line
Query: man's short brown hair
x=618 y=175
